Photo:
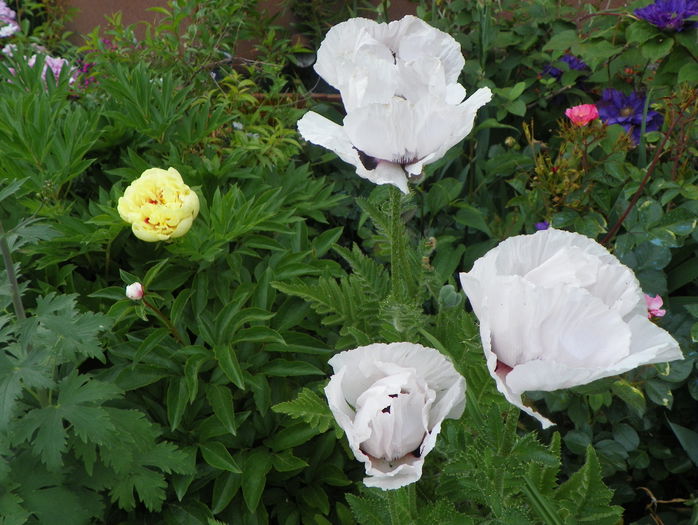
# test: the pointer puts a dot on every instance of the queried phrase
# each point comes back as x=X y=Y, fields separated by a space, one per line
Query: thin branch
x=636 y=196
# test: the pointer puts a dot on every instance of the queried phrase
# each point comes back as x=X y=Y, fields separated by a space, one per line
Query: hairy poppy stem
x=11 y=276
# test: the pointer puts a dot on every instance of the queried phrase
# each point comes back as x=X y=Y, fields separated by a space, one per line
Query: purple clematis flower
x=615 y=107
x=542 y=225
x=571 y=60
x=671 y=15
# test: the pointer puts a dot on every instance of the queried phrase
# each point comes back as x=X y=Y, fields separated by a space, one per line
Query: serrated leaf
x=11 y=510
x=545 y=476
x=75 y=507
x=368 y=510
x=69 y=333
x=150 y=486
x=134 y=453
x=27 y=371
x=585 y=499
x=49 y=443
x=309 y=407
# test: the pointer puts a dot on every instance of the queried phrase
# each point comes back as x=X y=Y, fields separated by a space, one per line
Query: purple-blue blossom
x=615 y=107
x=571 y=60
x=671 y=15
x=544 y=225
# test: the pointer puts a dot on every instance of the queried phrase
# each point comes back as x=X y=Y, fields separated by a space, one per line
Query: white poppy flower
x=557 y=310
x=389 y=142
x=390 y=399
x=398 y=84
x=368 y=62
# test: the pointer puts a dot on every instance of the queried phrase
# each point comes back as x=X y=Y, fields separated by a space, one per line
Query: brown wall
x=91 y=13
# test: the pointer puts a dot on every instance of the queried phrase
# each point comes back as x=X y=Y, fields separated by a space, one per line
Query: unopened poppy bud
x=135 y=291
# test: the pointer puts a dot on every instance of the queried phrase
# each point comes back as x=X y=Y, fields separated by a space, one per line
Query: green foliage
x=204 y=406
x=310 y=408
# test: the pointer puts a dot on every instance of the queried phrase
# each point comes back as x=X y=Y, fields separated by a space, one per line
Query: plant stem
x=397 y=247
x=165 y=320
x=11 y=276
x=636 y=196
x=540 y=503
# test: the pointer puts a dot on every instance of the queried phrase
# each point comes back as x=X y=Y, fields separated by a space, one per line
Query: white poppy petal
x=343 y=46
x=323 y=132
x=412 y=38
x=390 y=399
x=650 y=344
x=500 y=378
x=388 y=173
x=558 y=310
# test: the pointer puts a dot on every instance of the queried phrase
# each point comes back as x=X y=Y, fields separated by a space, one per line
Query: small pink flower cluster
x=55 y=65
x=654 y=306
x=583 y=114
x=8 y=21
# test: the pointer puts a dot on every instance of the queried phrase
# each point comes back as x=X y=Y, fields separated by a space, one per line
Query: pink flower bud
x=135 y=291
x=583 y=114
x=654 y=306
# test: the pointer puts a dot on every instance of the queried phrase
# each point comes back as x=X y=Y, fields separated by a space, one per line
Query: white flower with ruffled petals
x=391 y=399
x=398 y=84
x=557 y=310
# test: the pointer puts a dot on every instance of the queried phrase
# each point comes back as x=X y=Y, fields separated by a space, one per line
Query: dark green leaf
x=216 y=455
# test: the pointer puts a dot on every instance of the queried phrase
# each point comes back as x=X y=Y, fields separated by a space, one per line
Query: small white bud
x=135 y=291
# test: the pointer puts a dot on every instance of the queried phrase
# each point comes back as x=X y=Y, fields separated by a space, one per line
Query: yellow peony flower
x=158 y=205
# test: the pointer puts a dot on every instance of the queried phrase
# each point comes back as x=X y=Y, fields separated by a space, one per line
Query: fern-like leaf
x=584 y=499
x=309 y=407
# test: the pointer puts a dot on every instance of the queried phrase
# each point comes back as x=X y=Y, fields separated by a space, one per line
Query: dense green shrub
x=204 y=404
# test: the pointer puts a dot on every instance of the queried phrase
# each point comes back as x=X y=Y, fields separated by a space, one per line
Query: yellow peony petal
x=158 y=205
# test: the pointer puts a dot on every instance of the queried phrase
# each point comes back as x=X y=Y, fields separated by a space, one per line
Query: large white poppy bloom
x=557 y=310
x=390 y=399
x=398 y=83
x=370 y=62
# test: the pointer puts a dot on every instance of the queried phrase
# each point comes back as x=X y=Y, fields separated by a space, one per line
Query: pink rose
x=583 y=114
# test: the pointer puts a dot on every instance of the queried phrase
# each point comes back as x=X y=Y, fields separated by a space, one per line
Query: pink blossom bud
x=583 y=114
x=135 y=291
x=654 y=306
